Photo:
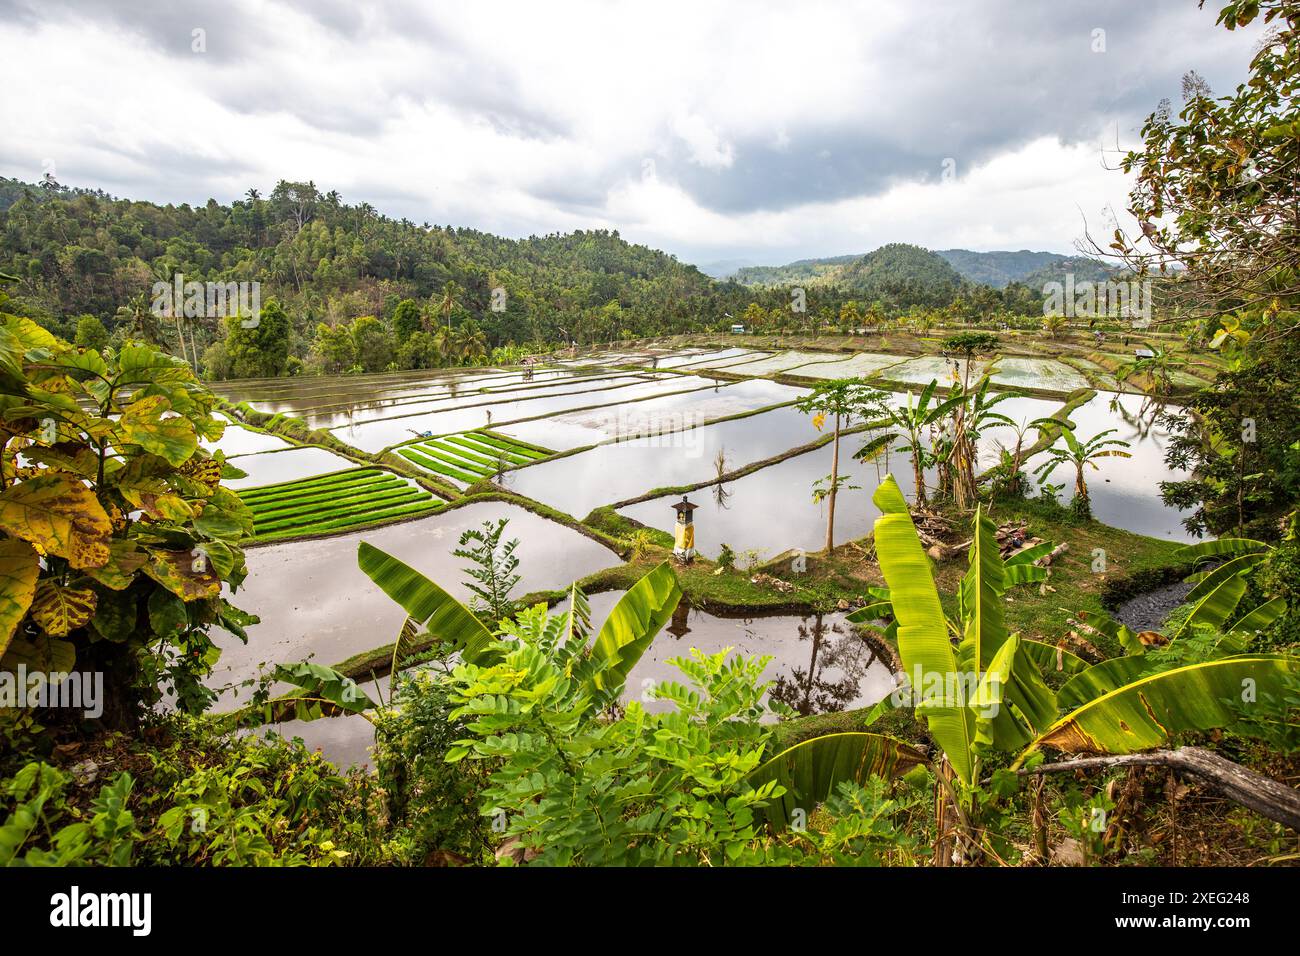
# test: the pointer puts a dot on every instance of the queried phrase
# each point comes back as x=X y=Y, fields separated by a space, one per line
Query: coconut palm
x=449 y=301
x=1081 y=454
x=139 y=321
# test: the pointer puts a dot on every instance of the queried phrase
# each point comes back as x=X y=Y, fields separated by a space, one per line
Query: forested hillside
x=922 y=279
x=899 y=272
x=79 y=252
x=345 y=288
x=997 y=269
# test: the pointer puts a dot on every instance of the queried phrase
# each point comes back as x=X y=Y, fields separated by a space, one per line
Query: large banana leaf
x=632 y=625
x=1104 y=624
x=1144 y=713
x=1023 y=694
x=441 y=614
x=1216 y=606
x=1261 y=617
x=922 y=636
x=1050 y=657
x=1092 y=682
x=1219 y=548
x=1210 y=580
x=810 y=771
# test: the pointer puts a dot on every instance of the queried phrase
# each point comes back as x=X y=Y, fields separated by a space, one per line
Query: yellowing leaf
x=124 y=560
x=60 y=610
x=19 y=568
x=143 y=424
x=59 y=514
x=170 y=507
x=819 y=420
x=186 y=575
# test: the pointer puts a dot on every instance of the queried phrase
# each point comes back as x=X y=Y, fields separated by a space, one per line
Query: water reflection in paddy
x=771 y=510
x=819 y=665
x=373 y=436
x=313 y=599
x=1125 y=492
x=626 y=469
x=273 y=467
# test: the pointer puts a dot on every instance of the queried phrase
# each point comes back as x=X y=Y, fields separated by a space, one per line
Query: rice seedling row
x=437 y=467
x=516 y=445
x=313 y=506
x=331 y=502
x=421 y=509
x=345 y=476
x=293 y=494
x=361 y=507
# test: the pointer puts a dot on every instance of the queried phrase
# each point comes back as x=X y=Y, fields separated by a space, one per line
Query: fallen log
x=1051 y=556
x=1242 y=786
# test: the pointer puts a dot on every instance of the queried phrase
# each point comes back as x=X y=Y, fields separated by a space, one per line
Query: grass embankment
x=339 y=501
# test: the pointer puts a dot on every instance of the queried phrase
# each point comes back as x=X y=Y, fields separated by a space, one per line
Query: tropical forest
x=332 y=536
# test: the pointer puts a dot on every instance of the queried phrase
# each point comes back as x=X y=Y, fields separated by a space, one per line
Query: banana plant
x=1116 y=707
x=1081 y=454
x=1219 y=591
x=436 y=616
x=910 y=422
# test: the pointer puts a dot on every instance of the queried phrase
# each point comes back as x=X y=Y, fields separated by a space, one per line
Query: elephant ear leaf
x=60 y=610
x=631 y=626
x=59 y=514
x=19 y=569
x=441 y=614
x=810 y=771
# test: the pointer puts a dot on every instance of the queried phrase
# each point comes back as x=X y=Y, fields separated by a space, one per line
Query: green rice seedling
x=438 y=467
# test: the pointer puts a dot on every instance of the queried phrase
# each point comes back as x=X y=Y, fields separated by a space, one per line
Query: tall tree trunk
x=918 y=474
x=835 y=480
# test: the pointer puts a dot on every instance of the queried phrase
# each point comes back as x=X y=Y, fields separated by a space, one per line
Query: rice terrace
x=730 y=485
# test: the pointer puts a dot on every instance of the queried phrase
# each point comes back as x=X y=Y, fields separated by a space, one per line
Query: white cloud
x=775 y=131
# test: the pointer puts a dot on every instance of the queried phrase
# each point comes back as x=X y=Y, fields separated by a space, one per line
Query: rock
x=86 y=772
x=1069 y=852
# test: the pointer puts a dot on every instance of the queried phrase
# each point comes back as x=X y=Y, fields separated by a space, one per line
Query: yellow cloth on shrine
x=684 y=539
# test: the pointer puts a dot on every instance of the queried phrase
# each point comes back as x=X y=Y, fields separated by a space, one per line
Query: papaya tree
x=116 y=534
x=840 y=400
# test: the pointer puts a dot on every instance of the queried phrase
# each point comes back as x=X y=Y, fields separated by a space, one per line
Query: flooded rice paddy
x=660 y=424
x=820 y=664
x=314 y=600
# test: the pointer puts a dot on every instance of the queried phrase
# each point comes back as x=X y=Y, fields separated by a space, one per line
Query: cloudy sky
x=714 y=129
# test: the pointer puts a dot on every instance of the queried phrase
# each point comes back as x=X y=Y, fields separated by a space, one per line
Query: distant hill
x=997 y=269
x=899 y=272
x=724 y=268
x=1082 y=267
x=802 y=270
x=994 y=269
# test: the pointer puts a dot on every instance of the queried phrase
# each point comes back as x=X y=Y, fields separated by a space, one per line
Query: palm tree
x=450 y=291
x=910 y=422
x=1081 y=454
x=1054 y=325
x=1158 y=367
x=139 y=321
